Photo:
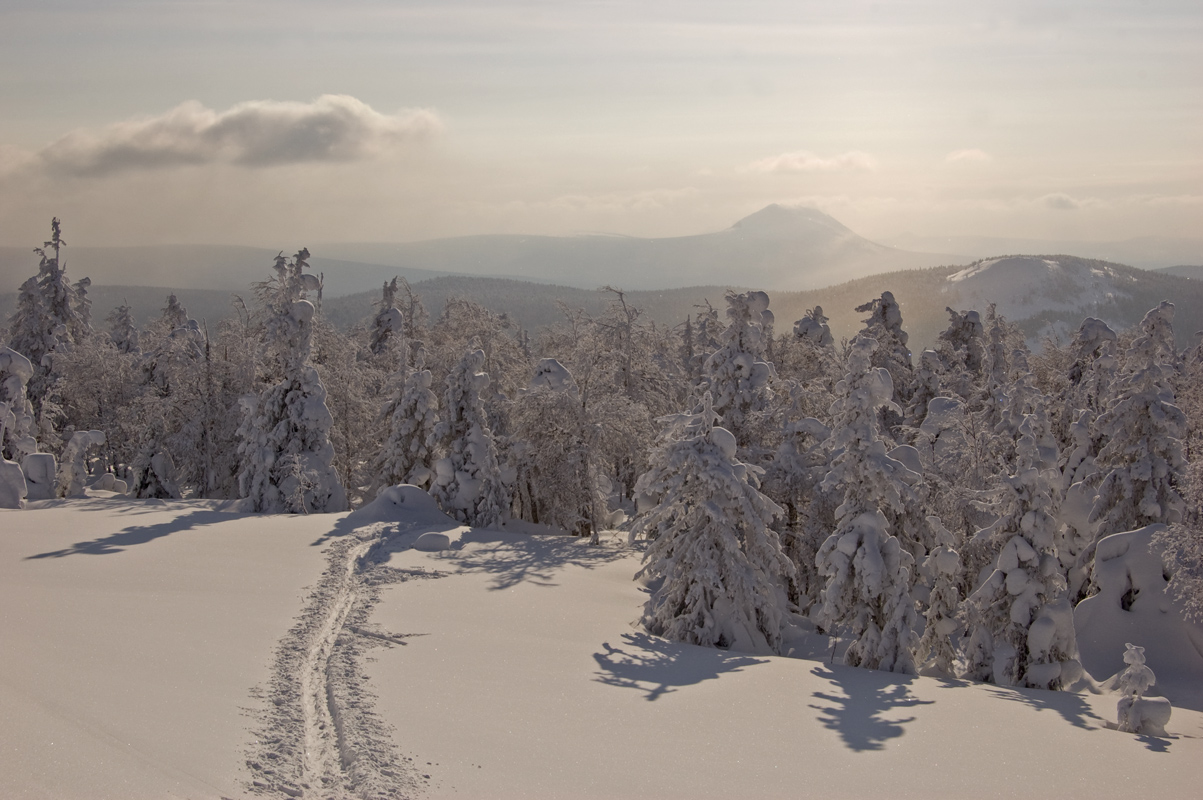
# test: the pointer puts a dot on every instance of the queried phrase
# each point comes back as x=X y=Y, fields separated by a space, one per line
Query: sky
x=277 y=124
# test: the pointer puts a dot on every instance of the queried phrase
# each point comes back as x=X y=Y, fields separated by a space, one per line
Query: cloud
x=1060 y=202
x=259 y=133
x=805 y=161
x=968 y=157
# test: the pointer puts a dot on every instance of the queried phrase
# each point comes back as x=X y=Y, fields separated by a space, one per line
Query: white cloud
x=1060 y=202
x=805 y=161
x=255 y=134
x=971 y=156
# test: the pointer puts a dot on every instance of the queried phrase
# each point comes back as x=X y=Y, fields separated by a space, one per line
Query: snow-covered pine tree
x=286 y=452
x=467 y=482
x=1020 y=621
x=867 y=570
x=411 y=418
x=717 y=570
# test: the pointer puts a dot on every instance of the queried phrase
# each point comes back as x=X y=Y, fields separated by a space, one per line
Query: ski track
x=319 y=736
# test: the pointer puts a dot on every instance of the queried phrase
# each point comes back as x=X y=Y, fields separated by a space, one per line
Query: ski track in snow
x=319 y=736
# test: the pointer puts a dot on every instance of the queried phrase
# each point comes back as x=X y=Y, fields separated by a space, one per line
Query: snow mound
x=12 y=485
x=404 y=503
x=1133 y=606
x=432 y=542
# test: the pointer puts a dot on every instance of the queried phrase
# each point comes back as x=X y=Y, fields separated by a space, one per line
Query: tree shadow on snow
x=1072 y=706
x=137 y=534
x=861 y=714
x=658 y=667
x=525 y=558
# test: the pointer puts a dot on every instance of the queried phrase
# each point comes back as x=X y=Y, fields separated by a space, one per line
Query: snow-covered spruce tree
x=123 y=333
x=1144 y=430
x=791 y=480
x=46 y=320
x=716 y=567
x=962 y=350
x=884 y=324
x=19 y=438
x=467 y=482
x=388 y=326
x=558 y=480
x=737 y=375
x=867 y=570
x=1020 y=621
x=942 y=572
x=411 y=418
x=286 y=451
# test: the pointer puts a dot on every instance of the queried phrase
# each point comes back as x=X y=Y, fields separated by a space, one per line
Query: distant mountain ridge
x=777 y=248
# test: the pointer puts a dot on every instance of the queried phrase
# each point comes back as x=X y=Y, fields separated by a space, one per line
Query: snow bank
x=1133 y=606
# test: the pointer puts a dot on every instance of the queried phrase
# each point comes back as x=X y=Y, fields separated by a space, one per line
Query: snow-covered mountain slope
x=157 y=650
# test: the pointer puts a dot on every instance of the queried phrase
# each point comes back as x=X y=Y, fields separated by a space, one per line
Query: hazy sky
x=278 y=124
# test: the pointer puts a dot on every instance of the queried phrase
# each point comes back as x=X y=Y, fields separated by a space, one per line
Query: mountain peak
x=777 y=220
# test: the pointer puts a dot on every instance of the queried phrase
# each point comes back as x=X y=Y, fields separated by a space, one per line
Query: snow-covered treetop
x=813 y=328
x=551 y=375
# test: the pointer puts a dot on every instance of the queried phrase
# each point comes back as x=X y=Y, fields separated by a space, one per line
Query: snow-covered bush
x=467 y=482
x=716 y=568
x=1137 y=713
x=73 y=468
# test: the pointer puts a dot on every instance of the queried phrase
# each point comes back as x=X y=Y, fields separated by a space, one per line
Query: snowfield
x=155 y=649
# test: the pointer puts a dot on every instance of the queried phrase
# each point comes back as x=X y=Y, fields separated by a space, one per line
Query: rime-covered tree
x=286 y=451
x=716 y=567
x=868 y=572
x=467 y=482
x=1020 y=621
x=558 y=475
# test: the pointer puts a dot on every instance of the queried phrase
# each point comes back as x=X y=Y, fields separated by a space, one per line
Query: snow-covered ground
x=152 y=650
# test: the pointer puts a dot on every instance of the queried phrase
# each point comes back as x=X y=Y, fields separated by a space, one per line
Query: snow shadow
x=513 y=558
x=658 y=667
x=1072 y=706
x=137 y=534
x=863 y=715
